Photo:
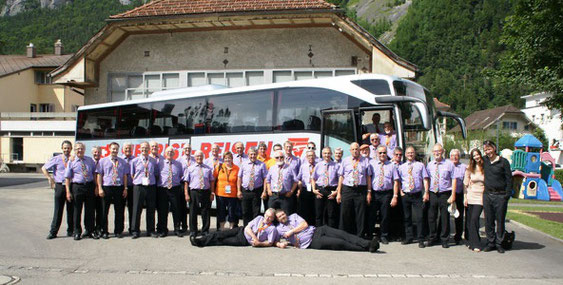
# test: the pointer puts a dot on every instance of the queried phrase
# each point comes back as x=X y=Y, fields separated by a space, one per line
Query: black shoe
x=445 y=245
x=105 y=236
x=373 y=245
x=77 y=237
x=178 y=233
x=192 y=240
x=489 y=248
x=51 y=236
x=153 y=234
x=118 y=235
x=500 y=249
x=384 y=240
x=406 y=241
x=87 y=235
x=136 y=235
x=457 y=241
x=163 y=234
x=421 y=244
x=95 y=235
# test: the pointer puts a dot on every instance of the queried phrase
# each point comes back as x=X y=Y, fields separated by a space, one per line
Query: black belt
x=87 y=183
x=59 y=183
x=412 y=193
x=279 y=194
x=199 y=189
x=382 y=191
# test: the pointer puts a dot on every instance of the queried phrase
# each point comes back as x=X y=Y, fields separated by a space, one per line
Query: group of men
x=352 y=194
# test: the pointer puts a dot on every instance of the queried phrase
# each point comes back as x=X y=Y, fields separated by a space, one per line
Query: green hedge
x=559 y=175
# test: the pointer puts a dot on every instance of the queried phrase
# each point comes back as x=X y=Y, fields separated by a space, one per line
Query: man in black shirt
x=498 y=189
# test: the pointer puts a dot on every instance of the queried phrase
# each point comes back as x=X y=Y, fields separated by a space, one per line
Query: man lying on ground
x=298 y=233
x=260 y=232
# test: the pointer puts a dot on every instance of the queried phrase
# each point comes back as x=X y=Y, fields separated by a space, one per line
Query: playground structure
x=533 y=171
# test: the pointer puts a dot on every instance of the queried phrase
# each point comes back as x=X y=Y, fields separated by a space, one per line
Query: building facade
x=35 y=115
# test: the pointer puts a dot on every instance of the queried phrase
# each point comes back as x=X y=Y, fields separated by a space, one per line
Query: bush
x=559 y=174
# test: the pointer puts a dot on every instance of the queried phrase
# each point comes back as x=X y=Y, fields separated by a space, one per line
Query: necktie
x=280 y=178
x=84 y=170
x=326 y=175
x=381 y=175
x=251 y=182
x=261 y=228
x=201 y=184
x=169 y=182
x=436 y=177
x=387 y=140
x=65 y=161
x=356 y=173
x=146 y=165
x=411 y=179
x=114 y=171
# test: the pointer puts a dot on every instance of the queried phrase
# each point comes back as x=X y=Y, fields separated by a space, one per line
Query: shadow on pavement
x=524 y=245
x=18 y=181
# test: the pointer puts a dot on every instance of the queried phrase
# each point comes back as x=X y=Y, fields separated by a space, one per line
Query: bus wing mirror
x=419 y=104
x=457 y=118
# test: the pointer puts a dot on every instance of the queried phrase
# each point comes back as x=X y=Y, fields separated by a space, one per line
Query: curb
x=13 y=280
x=518 y=224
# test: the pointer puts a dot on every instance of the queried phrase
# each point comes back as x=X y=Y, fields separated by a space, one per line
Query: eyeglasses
x=398 y=154
x=382 y=152
x=278 y=157
x=311 y=147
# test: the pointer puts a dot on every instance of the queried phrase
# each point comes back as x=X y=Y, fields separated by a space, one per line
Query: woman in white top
x=473 y=192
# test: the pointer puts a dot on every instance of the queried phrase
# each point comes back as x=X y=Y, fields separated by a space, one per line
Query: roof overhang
x=82 y=69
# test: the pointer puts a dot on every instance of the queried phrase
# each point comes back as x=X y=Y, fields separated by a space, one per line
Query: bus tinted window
x=245 y=112
x=97 y=123
x=300 y=108
x=134 y=121
x=375 y=86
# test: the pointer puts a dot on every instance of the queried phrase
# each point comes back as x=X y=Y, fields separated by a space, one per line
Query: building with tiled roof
x=35 y=115
x=167 y=44
x=508 y=118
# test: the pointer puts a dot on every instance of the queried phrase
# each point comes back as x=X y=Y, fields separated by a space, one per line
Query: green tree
x=533 y=36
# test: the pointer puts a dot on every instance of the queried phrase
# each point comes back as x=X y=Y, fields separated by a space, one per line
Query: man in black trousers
x=498 y=189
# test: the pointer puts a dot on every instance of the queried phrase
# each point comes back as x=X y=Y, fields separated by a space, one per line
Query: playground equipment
x=533 y=171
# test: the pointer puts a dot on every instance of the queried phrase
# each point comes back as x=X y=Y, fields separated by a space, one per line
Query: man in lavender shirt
x=260 y=232
x=80 y=188
x=197 y=189
x=385 y=190
x=459 y=174
x=299 y=234
x=167 y=192
x=388 y=138
x=293 y=161
x=144 y=171
x=58 y=164
x=442 y=181
x=374 y=143
x=281 y=184
x=155 y=151
x=338 y=154
x=353 y=185
x=414 y=182
x=324 y=183
x=128 y=157
x=112 y=183
x=214 y=158
x=239 y=157
x=98 y=200
x=252 y=176
x=187 y=159
x=306 y=197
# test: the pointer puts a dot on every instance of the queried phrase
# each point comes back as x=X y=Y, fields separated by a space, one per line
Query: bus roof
x=341 y=83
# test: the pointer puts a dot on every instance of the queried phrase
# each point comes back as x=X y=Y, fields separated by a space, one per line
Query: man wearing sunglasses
x=374 y=143
x=281 y=184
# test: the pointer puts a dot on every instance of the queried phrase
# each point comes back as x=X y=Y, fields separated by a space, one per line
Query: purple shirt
x=305 y=173
x=444 y=170
x=303 y=238
x=239 y=159
x=128 y=159
x=373 y=151
x=165 y=166
x=186 y=162
x=257 y=169
x=262 y=231
x=199 y=176
x=326 y=172
x=81 y=170
x=144 y=167
x=391 y=145
x=459 y=174
x=112 y=170
x=412 y=176
x=354 y=171
x=294 y=163
x=281 y=179
x=383 y=181
x=212 y=162
x=58 y=165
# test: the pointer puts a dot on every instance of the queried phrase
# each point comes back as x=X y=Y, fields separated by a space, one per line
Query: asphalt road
x=25 y=253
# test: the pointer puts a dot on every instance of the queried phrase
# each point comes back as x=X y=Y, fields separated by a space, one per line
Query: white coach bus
x=330 y=112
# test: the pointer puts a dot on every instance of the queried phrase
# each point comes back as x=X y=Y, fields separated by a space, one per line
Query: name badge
x=118 y=181
x=309 y=188
x=145 y=181
x=275 y=188
x=228 y=189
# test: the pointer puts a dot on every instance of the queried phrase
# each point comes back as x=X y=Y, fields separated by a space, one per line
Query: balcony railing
x=38 y=116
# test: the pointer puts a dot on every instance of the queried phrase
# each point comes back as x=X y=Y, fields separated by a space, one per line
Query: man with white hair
x=338 y=154
x=260 y=232
x=374 y=144
x=197 y=189
x=239 y=157
x=168 y=192
x=459 y=174
x=281 y=184
x=144 y=171
x=250 y=184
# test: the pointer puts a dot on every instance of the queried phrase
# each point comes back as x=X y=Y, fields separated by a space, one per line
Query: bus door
x=338 y=129
x=373 y=119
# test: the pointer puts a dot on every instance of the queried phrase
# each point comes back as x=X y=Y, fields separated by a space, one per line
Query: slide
x=555 y=191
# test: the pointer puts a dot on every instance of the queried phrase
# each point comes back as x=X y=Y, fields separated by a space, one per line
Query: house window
x=527 y=127
x=33 y=108
x=46 y=108
x=509 y=125
x=41 y=77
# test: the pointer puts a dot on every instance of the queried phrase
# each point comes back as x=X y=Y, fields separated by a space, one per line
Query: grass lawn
x=554 y=229
x=537 y=202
